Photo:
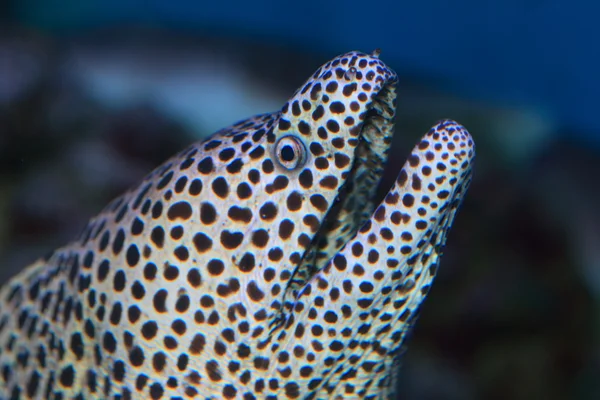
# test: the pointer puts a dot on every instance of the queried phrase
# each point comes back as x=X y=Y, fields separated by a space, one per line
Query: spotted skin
x=251 y=265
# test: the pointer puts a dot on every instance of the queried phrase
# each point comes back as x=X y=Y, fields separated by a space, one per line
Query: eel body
x=251 y=265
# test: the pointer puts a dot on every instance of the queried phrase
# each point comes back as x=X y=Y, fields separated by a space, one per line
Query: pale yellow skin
x=217 y=277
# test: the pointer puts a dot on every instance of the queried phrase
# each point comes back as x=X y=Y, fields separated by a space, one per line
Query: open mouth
x=355 y=202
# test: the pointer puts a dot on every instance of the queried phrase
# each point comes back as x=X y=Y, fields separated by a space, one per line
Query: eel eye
x=290 y=152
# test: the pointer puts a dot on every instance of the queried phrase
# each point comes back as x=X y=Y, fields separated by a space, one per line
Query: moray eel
x=252 y=265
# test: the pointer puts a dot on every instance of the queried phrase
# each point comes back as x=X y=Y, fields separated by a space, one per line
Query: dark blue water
x=537 y=54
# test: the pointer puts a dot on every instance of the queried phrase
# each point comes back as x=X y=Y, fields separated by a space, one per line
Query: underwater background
x=95 y=94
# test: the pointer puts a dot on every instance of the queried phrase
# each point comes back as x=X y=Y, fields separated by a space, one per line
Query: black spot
x=215 y=267
x=119 y=370
x=294 y=201
x=316 y=88
x=366 y=287
x=34 y=289
x=119 y=281
x=322 y=133
x=341 y=160
x=149 y=330
x=182 y=253
x=159 y=300
x=244 y=191
x=67 y=376
x=186 y=164
x=443 y=194
x=254 y=292
x=202 y=242
x=137 y=226
x=256 y=136
x=197 y=345
x=226 y=154
x=141 y=381
x=340 y=262
x=336 y=345
x=349 y=89
x=220 y=187
x=158 y=236
x=260 y=238
x=280 y=183
x=137 y=290
x=258 y=152
x=318 y=113
x=213 y=144
x=284 y=124
x=182 y=362
x=157 y=209
x=136 y=356
x=77 y=346
x=180 y=184
x=194 y=277
x=286 y=227
x=180 y=210
x=421 y=225
x=331 y=87
x=165 y=180
x=74 y=270
x=316 y=149
x=179 y=326
x=103 y=270
x=303 y=128
x=121 y=213
x=413 y=160
x=296 y=108
x=231 y=240
x=32 y=384
x=337 y=142
x=373 y=256
x=183 y=303
x=206 y=166
x=239 y=137
x=267 y=166
x=208 y=214
x=235 y=166
x=275 y=254
x=306 y=178
x=247 y=262
x=319 y=202
x=329 y=182
x=195 y=187
x=140 y=196
x=337 y=107
x=109 y=342
x=118 y=242
x=146 y=207
x=321 y=163
x=254 y=176
x=171 y=272
x=156 y=391
x=268 y=211
x=104 y=240
x=177 y=232
x=133 y=255
x=240 y=214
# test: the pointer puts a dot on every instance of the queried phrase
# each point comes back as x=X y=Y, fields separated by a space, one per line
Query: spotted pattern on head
x=250 y=265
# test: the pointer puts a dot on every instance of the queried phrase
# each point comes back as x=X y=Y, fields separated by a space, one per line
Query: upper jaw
x=355 y=201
